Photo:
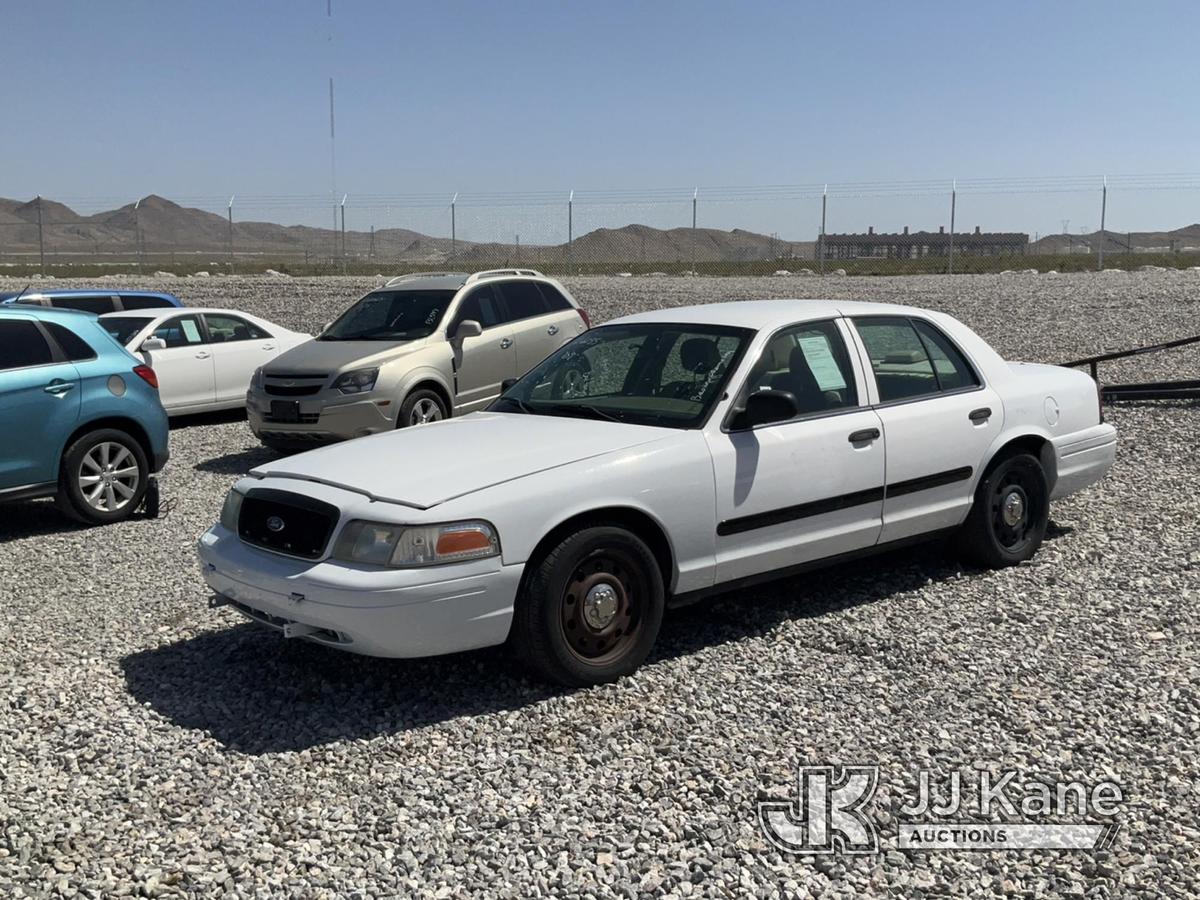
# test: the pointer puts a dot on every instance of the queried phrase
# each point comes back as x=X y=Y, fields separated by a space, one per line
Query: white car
x=204 y=358
x=652 y=460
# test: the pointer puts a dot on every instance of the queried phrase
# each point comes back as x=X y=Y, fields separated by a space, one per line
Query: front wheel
x=103 y=477
x=1009 y=516
x=590 y=609
x=420 y=408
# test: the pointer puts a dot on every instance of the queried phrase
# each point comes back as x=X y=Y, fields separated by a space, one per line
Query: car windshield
x=654 y=374
x=124 y=328
x=390 y=316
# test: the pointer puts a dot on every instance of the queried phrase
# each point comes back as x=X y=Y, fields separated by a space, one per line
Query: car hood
x=322 y=357
x=430 y=464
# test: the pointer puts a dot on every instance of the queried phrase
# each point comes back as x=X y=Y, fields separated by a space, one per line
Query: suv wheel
x=590 y=609
x=421 y=407
x=103 y=477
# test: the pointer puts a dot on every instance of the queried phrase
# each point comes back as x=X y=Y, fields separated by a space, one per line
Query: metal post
x=371 y=252
x=824 y=203
x=1103 y=210
x=953 y=203
x=137 y=234
x=453 y=227
x=517 y=238
x=231 y=233
x=344 y=196
x=695 y=194
x=41 y=239
x=570 y=222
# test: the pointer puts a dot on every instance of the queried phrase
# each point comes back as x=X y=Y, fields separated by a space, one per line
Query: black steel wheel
x=1008 y=519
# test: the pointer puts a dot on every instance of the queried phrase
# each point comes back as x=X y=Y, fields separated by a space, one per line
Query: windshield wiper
x=520 y=404
x=593 y=411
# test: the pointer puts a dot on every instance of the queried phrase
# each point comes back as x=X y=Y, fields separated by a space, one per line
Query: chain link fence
x=968 y=225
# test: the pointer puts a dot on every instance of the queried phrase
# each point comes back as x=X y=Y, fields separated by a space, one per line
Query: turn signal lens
x=399 y=546
x=147 y=375
x=467 y=540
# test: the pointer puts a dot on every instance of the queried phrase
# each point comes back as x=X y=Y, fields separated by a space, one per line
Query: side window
x=810 y=362
x=223 y=329
x=96 y=305
x=22 y=345
x=523 y=300
x=182 y=331
x=73 y=346
x=555 y=301
x=898 y=358
x=481 y=305
x=134 y=301
x=951 y=367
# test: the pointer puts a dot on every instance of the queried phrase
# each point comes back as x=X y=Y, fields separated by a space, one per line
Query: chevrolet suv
x=421 y=348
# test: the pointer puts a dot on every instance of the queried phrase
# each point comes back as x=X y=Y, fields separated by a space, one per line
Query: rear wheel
x=590 y=609
x=1009 y=516
x=421 y=407
x=103 y=477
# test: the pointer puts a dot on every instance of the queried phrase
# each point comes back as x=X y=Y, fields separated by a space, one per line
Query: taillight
x=587 y=321
x=1099 y=403
x=147 y=375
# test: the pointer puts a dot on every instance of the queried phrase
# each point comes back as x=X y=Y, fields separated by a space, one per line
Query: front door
x=793 y=492
x=939 y=420
x=482 y=363
x=39 y=404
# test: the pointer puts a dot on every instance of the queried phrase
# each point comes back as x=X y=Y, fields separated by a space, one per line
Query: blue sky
x=114 y=100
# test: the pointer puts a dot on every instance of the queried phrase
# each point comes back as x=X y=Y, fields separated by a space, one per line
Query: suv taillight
x=147 y=375
x=587 y=320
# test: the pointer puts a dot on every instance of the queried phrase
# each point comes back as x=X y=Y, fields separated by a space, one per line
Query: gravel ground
x=151 y=745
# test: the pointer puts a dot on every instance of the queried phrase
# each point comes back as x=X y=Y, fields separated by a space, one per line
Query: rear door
x=809 y=488
x=482 y=363
x=238 y=348
x=537 y=328
x=39 y=404
x=186 y=375
x=939 y=419
x=563 y=316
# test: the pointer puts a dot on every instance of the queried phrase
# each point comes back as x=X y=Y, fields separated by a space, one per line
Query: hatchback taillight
x=587 y=320
x=147 y=375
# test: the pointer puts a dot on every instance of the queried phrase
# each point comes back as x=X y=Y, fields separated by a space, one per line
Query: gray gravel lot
x=149 y=744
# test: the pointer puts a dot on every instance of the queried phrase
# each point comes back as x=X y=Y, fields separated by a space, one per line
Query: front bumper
x=322 y=420
x=375 y=612
x=1083 y=458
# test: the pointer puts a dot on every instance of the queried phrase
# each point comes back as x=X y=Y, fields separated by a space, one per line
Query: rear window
x=73 y=346
x=523 y=299
x=101 y=304
x=22 y=345
x=555 y=301
x=123 y=329
x=136 y=302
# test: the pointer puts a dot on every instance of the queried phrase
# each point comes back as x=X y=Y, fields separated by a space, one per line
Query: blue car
x=80 y=416
x=95 y=300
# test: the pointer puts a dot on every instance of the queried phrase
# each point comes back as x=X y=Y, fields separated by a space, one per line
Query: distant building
x=916 y=244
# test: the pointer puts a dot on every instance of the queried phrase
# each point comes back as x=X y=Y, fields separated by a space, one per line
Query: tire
x=590 y=609
x=420 y=407
x=1008 y=519
x=571 y=380
x=103 y=477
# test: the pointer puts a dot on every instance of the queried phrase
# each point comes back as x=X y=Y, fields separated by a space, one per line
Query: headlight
x=402 y=546
x=231 y=510
x=256 y=380
x=357 y=382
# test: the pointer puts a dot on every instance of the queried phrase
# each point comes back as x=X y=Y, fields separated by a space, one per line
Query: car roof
x=765 y=314
x=425 y=281
x=49 y=313
x=158 y=312
x=86 y=292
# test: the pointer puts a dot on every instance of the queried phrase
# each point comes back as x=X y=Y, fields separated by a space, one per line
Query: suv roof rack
x=414 y=275
x=496 y=273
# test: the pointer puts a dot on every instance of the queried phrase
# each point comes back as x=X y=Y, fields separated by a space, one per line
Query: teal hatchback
x=80 y=416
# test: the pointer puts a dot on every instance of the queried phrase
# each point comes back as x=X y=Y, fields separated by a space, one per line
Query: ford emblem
x=274 y=523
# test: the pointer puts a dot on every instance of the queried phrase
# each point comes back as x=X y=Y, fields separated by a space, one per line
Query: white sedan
x=655 y=459
x=204 y=358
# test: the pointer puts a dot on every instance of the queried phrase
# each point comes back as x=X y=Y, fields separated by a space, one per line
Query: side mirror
x=507 y=383
x=153 y=343
x=765 y=407
x=467 y=328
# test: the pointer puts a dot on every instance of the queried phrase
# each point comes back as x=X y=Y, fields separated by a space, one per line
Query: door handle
x=506 y=343
x=268 y=346
x=863 y=435
x=58 y=387
x=203 y=354
x=553 y=329
x=980 y=415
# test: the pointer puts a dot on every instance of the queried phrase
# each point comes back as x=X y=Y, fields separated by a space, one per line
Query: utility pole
x=570 y=223
x=41 y=239
x=824 y=204
x=953 y=203
x=371 y=252
x=137 y=234
x=344 y=196
x=453 y=227
x=695 y=194
x=1103 y=210
x=231 y=233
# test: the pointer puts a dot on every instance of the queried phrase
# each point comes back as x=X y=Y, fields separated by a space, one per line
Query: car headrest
x=699 y=355
x=801 y=371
